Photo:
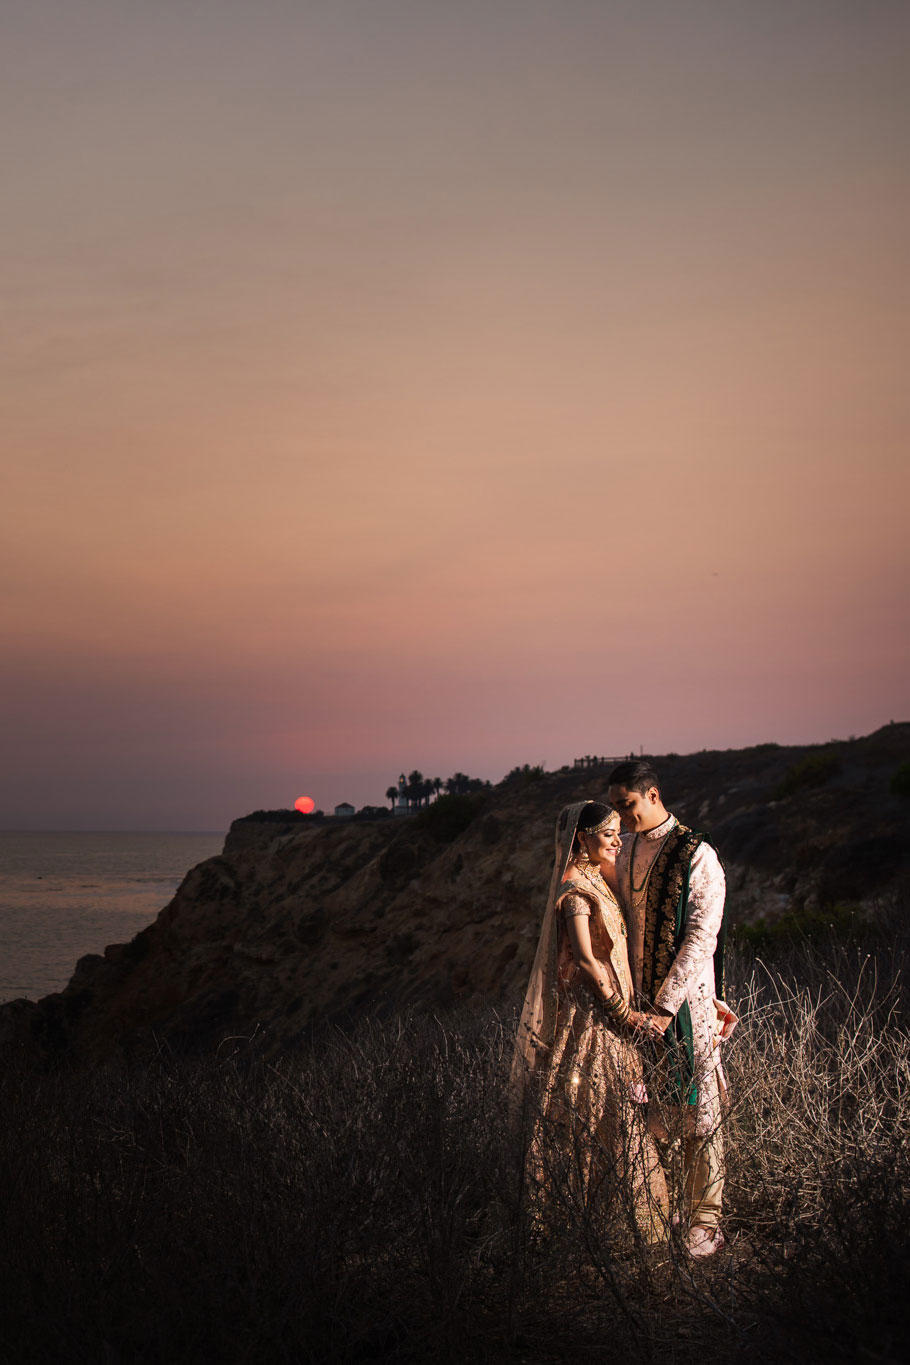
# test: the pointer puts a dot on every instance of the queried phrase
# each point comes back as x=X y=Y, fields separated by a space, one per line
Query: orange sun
x=305 y=804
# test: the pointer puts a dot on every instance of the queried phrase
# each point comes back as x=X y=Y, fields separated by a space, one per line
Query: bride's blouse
x=607 y=928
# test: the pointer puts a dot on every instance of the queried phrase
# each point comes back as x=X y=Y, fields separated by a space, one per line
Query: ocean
x=63 y=895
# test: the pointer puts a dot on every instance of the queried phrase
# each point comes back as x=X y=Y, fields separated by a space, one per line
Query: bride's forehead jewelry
x=598 y=829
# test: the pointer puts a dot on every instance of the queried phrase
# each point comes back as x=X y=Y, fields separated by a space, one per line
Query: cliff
x=295 y=925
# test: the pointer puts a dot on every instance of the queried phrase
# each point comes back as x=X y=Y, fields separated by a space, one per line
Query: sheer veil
x=537 y=1026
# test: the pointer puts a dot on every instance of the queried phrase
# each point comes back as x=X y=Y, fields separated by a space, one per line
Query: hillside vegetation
x=366 y=1198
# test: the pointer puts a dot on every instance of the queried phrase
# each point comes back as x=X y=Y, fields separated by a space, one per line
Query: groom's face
x=637 y=810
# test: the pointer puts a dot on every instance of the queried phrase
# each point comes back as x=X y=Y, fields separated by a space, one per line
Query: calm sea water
x=63 y=895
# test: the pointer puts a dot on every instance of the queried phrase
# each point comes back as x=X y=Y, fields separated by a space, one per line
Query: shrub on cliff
x=900 y=782
x=525 y=772
x=450 y=816
x=283 y=817
x=842 y=922
x=813 y=771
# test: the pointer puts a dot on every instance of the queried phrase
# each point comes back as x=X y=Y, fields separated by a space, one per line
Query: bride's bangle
x=617 y=1009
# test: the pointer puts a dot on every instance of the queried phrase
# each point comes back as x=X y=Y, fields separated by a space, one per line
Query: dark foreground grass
x=370 y=1201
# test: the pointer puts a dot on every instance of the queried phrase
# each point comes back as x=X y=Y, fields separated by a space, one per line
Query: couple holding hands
x=619 y=1038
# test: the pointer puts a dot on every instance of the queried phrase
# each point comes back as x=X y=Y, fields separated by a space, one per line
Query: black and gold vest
x=665 y=920
x=667 y=911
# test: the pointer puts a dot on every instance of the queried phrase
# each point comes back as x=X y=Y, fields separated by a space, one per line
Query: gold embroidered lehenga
x=581 y=1074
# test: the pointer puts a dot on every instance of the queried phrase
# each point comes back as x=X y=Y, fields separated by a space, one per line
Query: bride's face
x=604 y=846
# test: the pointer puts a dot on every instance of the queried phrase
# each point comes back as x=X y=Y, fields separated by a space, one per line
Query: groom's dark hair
x=636 y=776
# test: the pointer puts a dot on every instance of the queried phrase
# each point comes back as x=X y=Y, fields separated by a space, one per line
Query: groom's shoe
x=704 y=1241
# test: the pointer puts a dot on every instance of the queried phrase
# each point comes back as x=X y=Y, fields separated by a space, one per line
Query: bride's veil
x=537 y=1026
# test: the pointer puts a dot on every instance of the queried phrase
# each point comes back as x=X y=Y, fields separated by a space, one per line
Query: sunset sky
x=399 y=383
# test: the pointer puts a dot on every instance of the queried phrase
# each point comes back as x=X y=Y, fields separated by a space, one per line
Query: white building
x=345 y=811
x=402 y=806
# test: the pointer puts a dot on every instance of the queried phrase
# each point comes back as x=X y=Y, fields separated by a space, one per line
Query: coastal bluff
x=296 y=925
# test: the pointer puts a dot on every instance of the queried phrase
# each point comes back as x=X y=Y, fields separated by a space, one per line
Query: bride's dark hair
x=594 y=814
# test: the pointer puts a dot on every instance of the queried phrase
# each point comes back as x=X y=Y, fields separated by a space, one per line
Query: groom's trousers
x=703 y=1179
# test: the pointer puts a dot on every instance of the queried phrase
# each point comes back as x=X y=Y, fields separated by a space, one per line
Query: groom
x=672 y=886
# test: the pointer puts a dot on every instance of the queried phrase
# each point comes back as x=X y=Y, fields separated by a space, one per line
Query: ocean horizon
x=65 y=893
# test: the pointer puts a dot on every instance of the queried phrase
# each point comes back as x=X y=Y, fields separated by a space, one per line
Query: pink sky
x=407 y=385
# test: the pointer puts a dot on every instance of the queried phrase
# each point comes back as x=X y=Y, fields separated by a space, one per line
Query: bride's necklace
x=592 y=873
x=595 y=877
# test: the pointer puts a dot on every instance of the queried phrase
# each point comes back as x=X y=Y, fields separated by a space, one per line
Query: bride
x=575 y=1055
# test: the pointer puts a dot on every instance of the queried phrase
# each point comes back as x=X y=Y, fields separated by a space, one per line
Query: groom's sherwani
x=672 y=888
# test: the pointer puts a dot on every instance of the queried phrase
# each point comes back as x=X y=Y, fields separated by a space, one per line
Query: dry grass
x=368 y=1201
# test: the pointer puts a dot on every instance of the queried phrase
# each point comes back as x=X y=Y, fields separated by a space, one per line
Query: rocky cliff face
x=292 y=926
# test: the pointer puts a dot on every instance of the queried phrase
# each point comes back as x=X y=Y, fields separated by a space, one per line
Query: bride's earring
x=582 y=855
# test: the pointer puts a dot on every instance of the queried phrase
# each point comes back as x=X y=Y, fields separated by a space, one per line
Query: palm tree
x=414 y=788
x=437 y=786
x=391 y=794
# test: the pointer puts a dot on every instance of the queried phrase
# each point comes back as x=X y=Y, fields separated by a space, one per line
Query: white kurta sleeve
x=707 y=889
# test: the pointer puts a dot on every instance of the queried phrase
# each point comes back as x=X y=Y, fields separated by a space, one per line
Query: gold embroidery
x=665 y=884
x=574 y=903
x=607 y=923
